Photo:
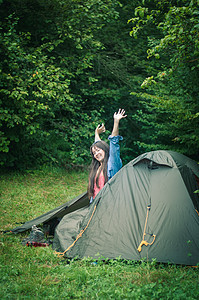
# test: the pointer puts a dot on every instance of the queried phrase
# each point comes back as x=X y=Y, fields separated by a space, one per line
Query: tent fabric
x=151 y=198
x=188 y=168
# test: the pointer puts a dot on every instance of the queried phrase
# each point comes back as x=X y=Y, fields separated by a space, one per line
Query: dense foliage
x=57 y=78
x=68 y=65
x=169 y=111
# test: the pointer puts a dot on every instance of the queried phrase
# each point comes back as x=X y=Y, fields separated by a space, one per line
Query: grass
x=37 y=273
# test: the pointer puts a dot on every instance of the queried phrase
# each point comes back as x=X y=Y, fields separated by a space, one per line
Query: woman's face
x=98 y=153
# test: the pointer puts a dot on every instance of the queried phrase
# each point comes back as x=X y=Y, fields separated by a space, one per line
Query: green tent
x=148 y=210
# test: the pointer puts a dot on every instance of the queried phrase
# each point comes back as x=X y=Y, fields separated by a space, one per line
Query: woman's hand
x=100 y=129
x=119 y=115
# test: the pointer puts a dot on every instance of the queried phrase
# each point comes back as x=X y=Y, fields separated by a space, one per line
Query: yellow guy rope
x=61 y=254
x=143 y=242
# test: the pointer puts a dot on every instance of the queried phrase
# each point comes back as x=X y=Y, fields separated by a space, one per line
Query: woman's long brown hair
x=95 y=164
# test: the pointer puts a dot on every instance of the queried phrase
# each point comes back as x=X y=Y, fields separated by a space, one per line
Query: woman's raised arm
x=117 y=117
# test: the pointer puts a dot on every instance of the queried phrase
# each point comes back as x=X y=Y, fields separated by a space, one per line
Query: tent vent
x=152 y=165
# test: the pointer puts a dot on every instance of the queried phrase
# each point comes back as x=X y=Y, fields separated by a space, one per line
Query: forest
x=68 y=65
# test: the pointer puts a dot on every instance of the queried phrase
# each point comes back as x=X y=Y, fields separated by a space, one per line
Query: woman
x=106 y=160
x=106 y=163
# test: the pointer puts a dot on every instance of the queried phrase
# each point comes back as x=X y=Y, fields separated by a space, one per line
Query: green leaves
x=66 y=64
x=47 y=79
x=168 y=112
